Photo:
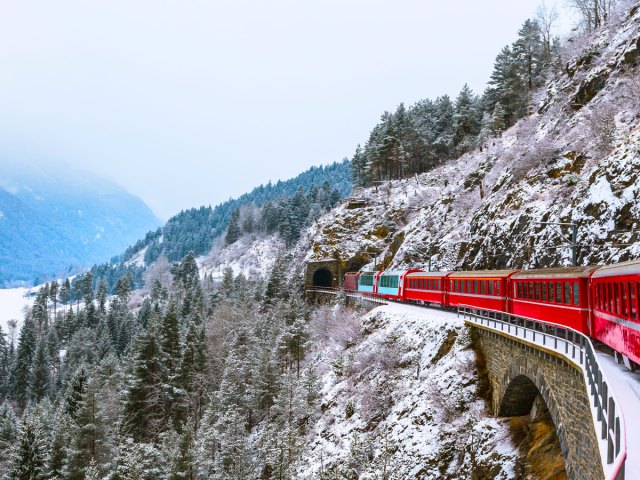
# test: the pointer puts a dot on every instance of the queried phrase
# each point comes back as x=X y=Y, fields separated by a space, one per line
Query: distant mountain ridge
x=53 y=222
x=195 y=229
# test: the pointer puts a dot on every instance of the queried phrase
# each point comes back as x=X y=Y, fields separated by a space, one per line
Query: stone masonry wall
x=559 y=383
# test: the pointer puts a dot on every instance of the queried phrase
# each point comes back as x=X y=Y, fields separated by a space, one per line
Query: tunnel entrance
x=323 y=278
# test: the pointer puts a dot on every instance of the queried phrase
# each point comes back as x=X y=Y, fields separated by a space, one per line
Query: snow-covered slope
x=575 y=160
x=252 y=256
x=12 y=304
x=402 y=399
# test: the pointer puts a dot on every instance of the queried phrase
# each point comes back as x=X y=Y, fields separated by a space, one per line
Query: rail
x=578 y=349
x=362 y=296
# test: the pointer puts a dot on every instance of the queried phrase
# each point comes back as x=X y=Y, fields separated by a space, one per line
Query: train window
x=558 y=292
x=634 y=300
x=468 y=289
x=576 y=293
x=616 y=300
x=544 y=291
x=552 y=292
x=612 y=293
x=567 y=293
x=438 y=284
x=624 y=297
x=537 y=287
x=518 y=289
x=497 y=287
x=491 y=287
x=483 y=287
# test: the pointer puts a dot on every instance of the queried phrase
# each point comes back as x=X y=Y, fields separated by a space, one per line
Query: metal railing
x=578 y=348
x=364 y=296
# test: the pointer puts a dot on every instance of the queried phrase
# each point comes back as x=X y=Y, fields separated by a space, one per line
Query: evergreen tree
x=40 y=374
x=233 y=230
x=8 y=434
x=24 y=358
x=145 y=399
x=466 y=126
x=29 y=457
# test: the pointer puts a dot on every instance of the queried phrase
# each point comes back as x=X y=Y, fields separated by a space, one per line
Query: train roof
x=427 y=274
x=626 y=268
x=368 y=273
x=562 y=272
x=482 y=273
x=392 y=272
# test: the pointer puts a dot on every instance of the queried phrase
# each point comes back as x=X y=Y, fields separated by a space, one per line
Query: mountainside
x=52 y=223
x=575 y=160
x=195 y=230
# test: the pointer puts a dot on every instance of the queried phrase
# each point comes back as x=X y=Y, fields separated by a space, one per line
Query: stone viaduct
x=521 y=372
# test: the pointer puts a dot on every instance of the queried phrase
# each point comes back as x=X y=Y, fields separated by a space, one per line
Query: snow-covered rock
x=402 y=399
x=576 y=160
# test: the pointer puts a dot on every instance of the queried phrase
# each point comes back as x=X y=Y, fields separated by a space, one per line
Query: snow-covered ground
x=252 y=256
x=403 y=399
x=625 y=385
x=12 y=304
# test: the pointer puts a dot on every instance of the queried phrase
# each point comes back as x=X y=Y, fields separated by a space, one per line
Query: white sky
x=189 y=102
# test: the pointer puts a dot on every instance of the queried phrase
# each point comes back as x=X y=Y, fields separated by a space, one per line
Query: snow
x=138 y=259
x=252 y=255
x=12 y=304
x=434 y=420
x=626 y=388
x=482 y=209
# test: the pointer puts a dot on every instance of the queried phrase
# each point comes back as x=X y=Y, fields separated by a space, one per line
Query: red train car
x=426 y=287
x=557 y=295
x=615 y=309
x=351 y=281
x=483 y=289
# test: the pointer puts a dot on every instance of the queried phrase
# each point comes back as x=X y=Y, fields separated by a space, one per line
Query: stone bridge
x=542 y=369
x=521 y=373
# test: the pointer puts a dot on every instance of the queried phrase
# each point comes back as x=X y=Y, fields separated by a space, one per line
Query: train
x=602 y=302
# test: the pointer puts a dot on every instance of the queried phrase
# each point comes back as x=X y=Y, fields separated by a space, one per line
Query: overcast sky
x=189 y=102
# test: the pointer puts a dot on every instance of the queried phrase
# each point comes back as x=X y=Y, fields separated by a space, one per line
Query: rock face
x=575 y=161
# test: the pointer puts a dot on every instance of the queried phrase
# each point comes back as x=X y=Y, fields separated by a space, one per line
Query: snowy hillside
x=252 y=256
x=401 y=398
x=575 y=160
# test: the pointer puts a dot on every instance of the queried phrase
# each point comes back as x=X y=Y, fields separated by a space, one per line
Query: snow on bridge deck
x=626 y=386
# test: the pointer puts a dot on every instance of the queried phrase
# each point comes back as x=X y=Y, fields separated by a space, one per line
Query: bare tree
x=547 y=17
x=594 y=13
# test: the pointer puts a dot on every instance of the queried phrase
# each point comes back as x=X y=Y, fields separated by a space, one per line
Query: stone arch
x=323 y=277
x=523 y=382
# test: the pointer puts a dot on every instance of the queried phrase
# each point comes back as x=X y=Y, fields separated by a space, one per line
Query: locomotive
x=601 y=302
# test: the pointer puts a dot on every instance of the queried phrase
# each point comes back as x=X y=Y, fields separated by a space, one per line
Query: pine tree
x=8 y=434
x=24 y=358
x=29 y=457
x=233 y=230
x=466 y=127
x=88 y=439
x=145 y=400
x=40 y=374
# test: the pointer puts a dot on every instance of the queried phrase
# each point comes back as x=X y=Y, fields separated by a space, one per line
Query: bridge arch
x=522 y=376
x=523 y=382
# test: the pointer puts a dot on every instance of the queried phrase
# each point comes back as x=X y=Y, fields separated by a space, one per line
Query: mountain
x=513 y=201
x=54 y=221
x=194 y=230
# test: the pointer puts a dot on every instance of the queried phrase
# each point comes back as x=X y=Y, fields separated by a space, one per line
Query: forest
x=416 y=139
x=170 y=388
